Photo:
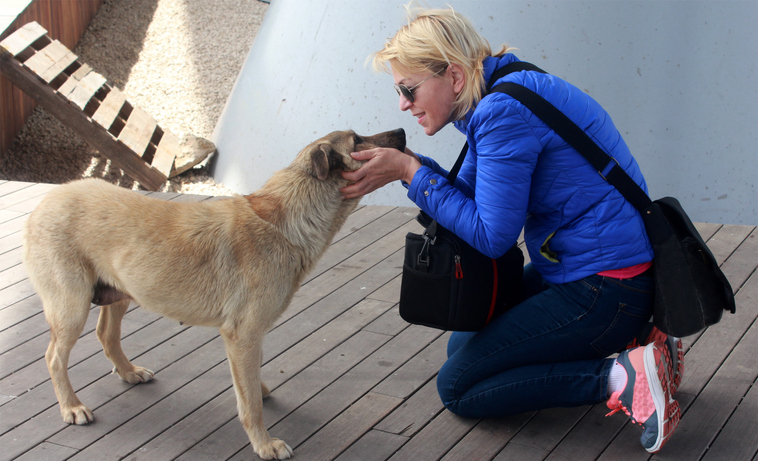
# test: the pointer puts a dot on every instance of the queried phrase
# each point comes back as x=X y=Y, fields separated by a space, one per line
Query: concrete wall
x=679 y=79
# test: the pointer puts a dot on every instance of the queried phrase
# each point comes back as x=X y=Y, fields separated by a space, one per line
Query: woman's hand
x=382 y=166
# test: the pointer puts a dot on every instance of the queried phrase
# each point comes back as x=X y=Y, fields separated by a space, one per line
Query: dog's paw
x=275 y=449
x=135 y=376
x=78 y=414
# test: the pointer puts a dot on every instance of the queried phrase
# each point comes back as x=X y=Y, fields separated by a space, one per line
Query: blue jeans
x=549 y=351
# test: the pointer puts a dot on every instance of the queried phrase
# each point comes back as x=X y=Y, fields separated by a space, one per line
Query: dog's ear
x=320 y=162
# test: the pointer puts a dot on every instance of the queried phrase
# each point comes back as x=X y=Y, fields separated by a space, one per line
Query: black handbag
x=691 y=291
x=449 y=285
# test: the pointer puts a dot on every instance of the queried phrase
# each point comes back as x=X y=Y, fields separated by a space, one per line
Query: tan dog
x=233 y=264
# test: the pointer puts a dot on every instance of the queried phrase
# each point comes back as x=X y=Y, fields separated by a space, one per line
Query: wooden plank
x=86 y=89
x=28 y=205
x=415 y=413
x=706 y=230
x=12 y=186
x=47 y=451
x=15 y=293
x=103 y=388
x=7 y=244
x=340 y=433
x=488 y=437
x=222 y=410
x=357 y=241
x=191 y=198
x=45 y=58
x=73 y=80
x=390 y=292
x=544 y=431
x=331 y=306
x=727 y=239
x=590 y=436
x=17 y=313
x=139 y=415
x=349 y=272
x=8 y=215
x=12 y=275
x=739 y=438
x=436 y=439
x=138 y=131
x=360 y=218
x=23 y=366
x=390 y=323
x=742 y=262
x=418 y=371
x=12 y=226
x=373 y=446
x=310 y=349
x=167 y=150
x=186 y=433
x=8 y=201
x=26 y=365
x=326 y=404
x=338 y=396
x=109 y=108
x=22 y=38
x=59 y=66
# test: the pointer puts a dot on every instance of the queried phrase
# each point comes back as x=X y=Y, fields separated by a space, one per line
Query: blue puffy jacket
x=519 y=173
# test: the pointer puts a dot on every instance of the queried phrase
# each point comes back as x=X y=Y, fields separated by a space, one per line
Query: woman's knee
x=457 y=339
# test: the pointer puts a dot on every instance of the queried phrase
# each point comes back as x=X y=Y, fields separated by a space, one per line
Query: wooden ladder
x=83 y=100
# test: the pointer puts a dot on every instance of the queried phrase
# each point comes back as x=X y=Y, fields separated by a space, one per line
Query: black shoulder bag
x=448 y=284
x=691 y=291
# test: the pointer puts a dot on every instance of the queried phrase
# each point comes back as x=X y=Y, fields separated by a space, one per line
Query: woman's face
x=432 y=100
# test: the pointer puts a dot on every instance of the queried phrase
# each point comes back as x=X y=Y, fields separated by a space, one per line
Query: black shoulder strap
x=579 y=140
x=517 y=66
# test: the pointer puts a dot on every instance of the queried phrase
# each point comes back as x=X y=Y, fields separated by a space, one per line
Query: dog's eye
x=357 y=140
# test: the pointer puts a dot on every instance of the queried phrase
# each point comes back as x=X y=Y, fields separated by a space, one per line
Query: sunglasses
x=407 y=93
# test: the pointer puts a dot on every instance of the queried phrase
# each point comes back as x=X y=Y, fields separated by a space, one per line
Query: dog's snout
x=400 y=135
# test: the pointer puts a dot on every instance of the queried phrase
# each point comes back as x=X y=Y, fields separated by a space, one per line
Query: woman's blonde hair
x=432 y=40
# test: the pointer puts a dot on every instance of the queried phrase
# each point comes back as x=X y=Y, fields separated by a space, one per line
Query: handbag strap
x=579 y=140
x=517 y=66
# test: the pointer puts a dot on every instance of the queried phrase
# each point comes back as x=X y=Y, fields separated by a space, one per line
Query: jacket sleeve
x=498 y=168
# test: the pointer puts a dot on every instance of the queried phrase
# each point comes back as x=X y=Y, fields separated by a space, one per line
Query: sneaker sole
x=657 y=360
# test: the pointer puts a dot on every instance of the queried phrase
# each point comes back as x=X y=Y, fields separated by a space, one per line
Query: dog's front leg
x=244 y=350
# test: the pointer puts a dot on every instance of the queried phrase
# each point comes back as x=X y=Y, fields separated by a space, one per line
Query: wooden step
x=98 y=112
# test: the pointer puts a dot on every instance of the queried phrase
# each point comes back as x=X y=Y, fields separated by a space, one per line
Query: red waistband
x=627 y=272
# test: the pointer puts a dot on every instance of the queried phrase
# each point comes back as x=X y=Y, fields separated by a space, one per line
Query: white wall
x=679 y=79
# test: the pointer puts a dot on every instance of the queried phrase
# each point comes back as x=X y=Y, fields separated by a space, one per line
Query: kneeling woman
x=588 y=288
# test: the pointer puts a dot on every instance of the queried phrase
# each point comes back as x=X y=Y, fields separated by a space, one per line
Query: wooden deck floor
x=350 y=379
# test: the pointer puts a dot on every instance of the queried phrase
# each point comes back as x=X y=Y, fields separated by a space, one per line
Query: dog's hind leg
x=109 y=334
x=65 y=328
x=243 y=348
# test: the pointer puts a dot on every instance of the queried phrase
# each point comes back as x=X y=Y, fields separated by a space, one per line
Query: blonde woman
x=588 y=288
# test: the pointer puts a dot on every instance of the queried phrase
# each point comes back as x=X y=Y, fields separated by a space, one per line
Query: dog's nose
x=399 y=134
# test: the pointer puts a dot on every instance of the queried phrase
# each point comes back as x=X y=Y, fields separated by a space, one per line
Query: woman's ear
x=458 y=76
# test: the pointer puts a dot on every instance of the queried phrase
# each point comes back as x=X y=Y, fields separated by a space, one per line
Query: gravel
x=176 y=59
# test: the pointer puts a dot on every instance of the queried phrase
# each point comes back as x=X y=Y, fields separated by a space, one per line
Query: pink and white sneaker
x=650 y=334
x=646 y=396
